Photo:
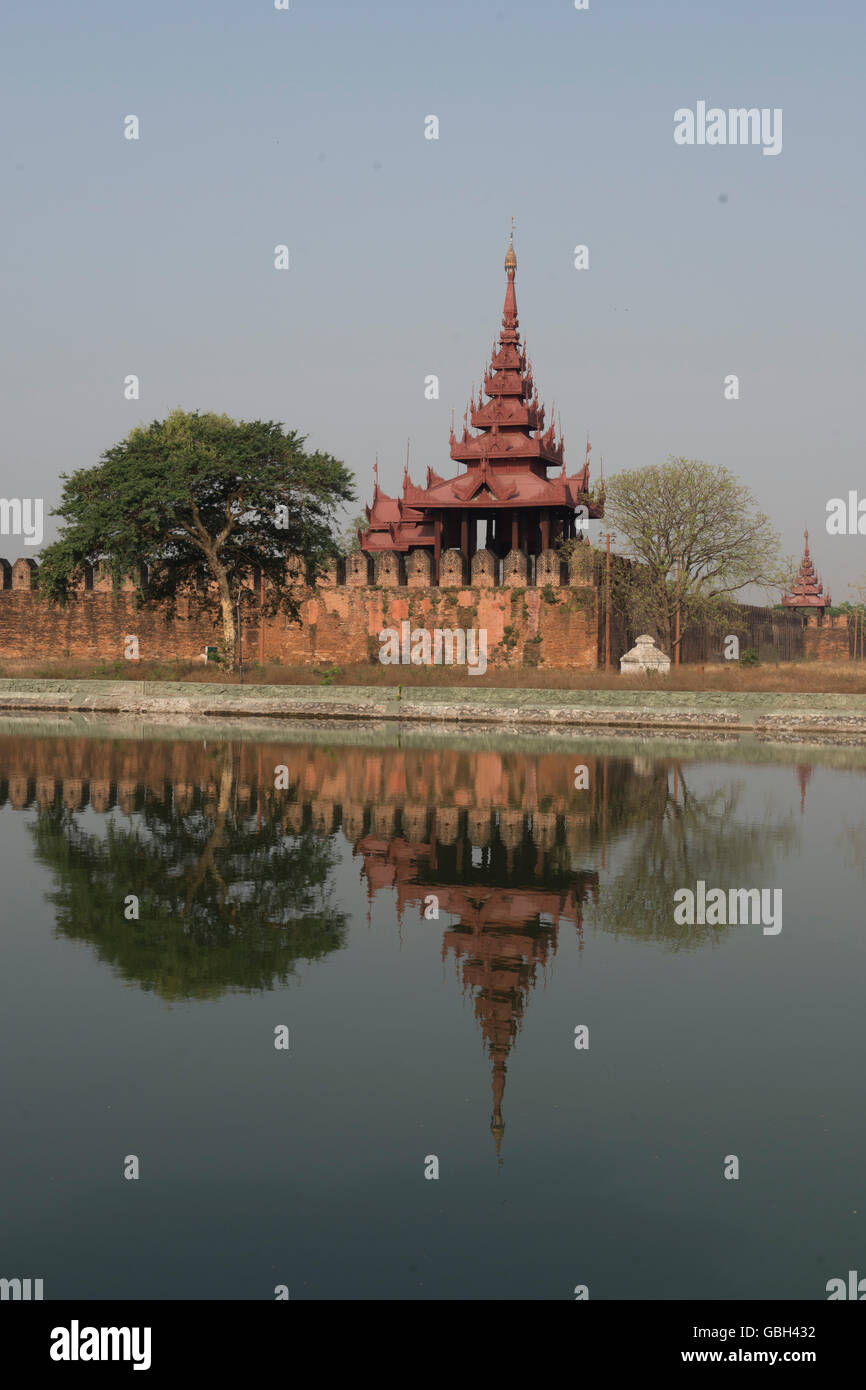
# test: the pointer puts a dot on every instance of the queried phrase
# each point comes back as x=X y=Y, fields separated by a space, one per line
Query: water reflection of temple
x=505 y=878
x=505 y=841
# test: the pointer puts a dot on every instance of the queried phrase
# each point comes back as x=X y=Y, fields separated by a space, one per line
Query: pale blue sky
x=307 y=127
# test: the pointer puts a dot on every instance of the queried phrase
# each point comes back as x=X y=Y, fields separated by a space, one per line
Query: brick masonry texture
x=343 y=624
x=830 y=642
x=556 y=623
x=340 y=624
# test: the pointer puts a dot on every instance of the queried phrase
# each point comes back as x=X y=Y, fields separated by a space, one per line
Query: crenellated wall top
x=389 y=570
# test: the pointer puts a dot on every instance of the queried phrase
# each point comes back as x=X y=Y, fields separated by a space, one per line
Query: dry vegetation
x=847 y=677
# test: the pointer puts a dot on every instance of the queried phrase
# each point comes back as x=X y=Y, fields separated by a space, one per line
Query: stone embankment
x=175 y=702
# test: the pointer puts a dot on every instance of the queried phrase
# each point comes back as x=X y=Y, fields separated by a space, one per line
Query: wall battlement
x=536 y=611
x=386 y=570
x=551 y=622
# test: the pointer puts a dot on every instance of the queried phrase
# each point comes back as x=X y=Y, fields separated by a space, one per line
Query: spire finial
x=510 y=257
x=376 y=472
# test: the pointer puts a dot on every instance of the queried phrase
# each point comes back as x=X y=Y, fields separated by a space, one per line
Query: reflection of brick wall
x=444 y=783
x=553 y=626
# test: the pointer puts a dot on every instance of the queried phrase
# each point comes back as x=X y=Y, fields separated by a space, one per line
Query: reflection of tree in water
x=226 y=903
x=678 y=836
x=853 y=842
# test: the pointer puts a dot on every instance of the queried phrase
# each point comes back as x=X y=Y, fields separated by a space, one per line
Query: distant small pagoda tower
x=505 y=483
x=808 y=596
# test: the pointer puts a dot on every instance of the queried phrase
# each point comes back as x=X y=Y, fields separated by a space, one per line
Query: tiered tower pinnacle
x=807 y=592
x=513 y=414
x=504 y=926
x=506 y=453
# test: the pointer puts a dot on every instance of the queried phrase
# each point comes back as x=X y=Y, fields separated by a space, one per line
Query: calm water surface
x=283 y=880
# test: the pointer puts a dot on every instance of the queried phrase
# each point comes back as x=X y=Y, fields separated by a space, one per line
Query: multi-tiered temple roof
x=506 y=480
x=807 y=591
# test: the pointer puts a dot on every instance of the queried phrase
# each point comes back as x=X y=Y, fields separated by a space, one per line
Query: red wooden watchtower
x=807 y=594
x=505 y=482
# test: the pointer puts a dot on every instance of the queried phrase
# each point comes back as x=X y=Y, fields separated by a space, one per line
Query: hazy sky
x=306 y=127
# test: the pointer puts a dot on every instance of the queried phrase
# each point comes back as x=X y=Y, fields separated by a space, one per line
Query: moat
x=286 y=968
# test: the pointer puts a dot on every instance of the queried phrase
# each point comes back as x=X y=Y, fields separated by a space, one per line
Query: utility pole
x=677 y=633
x=607 y=604
x=262 y=617
x=240 y=642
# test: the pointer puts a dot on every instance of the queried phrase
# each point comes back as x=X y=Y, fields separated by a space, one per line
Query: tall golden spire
x=510 y=257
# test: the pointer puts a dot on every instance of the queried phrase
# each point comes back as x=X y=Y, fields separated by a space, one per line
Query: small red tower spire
x=807 y=592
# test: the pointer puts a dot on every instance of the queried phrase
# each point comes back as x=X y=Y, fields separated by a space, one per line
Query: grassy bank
x=806 y=677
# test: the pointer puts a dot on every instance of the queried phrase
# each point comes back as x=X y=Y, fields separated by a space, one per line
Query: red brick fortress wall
x=552 y=623
x=829 y=642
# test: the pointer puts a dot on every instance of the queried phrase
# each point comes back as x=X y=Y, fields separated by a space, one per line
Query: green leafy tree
x=207 y=503
x=700 y=514
x=349 y=542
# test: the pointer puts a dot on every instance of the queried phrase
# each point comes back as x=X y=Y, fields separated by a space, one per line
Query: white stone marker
x=645 y=656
